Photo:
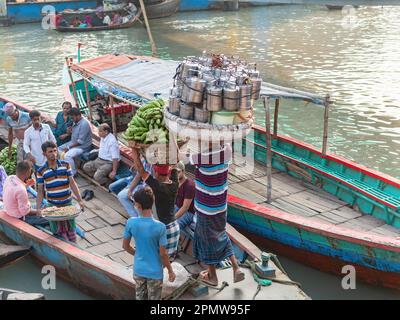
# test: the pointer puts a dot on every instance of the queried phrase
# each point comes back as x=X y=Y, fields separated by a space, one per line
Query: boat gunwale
x=325 y=229
x=114 y=270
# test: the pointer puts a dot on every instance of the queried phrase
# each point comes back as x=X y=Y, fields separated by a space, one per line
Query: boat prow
x=10 y=254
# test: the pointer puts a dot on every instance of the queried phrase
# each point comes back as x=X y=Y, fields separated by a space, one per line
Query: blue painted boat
x=342 y=213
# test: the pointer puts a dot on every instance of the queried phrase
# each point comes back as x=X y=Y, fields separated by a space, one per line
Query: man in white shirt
x=37 y=134
x=105 y=166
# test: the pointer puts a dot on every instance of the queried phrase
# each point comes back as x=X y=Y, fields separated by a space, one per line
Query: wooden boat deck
x=299 y=198
x=104 y=221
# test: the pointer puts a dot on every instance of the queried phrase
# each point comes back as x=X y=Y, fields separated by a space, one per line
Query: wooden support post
x=113 y=119
x=326 y=127
x=72 y=83
x=146 y=21
x=276 y=114
x=268 y=139
x=88 y=102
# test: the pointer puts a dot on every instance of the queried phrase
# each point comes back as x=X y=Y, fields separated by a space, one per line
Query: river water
x=353 y=56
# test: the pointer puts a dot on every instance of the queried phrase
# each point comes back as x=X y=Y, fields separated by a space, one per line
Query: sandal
x=90 y=195
x=203 y=277
x=238 y=276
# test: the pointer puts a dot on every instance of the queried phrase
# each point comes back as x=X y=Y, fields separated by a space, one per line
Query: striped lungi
x=172 y=238
x=211 y=242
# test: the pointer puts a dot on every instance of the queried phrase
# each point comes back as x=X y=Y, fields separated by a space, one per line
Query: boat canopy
x=125 y=75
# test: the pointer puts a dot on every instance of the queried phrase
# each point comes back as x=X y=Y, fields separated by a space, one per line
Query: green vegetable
x=9 y=164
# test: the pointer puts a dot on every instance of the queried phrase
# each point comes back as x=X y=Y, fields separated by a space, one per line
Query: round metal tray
x=62 y=218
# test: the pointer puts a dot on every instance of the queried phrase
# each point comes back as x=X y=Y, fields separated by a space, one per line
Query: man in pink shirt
x=15 y=197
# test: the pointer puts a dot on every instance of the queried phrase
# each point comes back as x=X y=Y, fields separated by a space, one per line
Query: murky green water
x=356 y=59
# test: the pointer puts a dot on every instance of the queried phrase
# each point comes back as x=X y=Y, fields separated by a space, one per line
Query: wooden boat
x=97 y=264
x=162 y=9
x=326 y=211
x=336 y=7
x=8 y=294
x=10 y=254
x=102 y=28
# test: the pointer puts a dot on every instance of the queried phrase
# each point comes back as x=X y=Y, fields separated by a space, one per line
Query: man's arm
x=185 y=207
x=126 y=245
x=24 y=206
x=113 y=173
x=75 y=191
x=167 y=264
x=27 y=146
x=133 y=184
x=51 y=136
x=40 y=195
x=138 y=165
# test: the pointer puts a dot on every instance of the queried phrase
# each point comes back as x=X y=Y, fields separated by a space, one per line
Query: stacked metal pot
x=211 y=85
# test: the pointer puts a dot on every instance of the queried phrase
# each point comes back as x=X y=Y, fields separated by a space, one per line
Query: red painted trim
x=325 y=229
x=339 y=159
x=328 y=264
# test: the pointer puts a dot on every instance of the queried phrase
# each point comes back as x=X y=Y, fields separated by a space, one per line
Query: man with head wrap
x=17 y=122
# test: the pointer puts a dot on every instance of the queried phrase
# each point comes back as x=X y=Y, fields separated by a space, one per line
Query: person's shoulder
x=64 y=163
x=45 y=126
x=42 y=168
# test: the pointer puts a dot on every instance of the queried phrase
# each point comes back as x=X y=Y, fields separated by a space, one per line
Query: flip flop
x=238 y=276
x=202 y=278
x=90 y=195
x=84 y=194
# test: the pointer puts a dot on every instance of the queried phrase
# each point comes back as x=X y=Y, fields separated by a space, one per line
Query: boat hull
x=163 y=9
x=325 y=247
x=91 y=274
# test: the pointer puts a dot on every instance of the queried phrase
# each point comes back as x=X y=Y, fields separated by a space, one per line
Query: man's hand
x=10 y=152
x=112 y=175
x=64 y=136
x=31 y=158
x=171 y=276
x=69 y=130
x=39 y=212
x=81 y=204
x=129 y=194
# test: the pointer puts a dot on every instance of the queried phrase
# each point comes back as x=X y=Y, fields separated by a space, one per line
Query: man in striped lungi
x=211 y=241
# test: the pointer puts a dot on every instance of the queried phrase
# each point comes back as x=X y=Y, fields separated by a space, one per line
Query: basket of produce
x=60 y=213
x=147 y=126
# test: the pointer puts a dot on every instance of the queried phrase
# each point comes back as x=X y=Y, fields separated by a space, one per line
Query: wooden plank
x=244 y=193
x=104 y=249
x=82 y=182
x=310 y=196
x=387 y=230
x=101 y=235
x=84 y=225
x=287 y=182
x=293 y=208
x=302 y=201
x=336 y=219
x=97 y=222
x=370 y=221
x=124 y=256
x=347 y=213
x=84 y=244
x=244 y=243
x=115 y=232
x=91 y=239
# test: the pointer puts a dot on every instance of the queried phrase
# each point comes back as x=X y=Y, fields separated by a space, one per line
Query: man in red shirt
x=184 y=204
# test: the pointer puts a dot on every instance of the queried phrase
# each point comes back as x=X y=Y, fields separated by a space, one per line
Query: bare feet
x=238 y=275
x=206 y=278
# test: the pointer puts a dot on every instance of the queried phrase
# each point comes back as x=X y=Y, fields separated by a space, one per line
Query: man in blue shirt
x=81 y=139
x=150 y=237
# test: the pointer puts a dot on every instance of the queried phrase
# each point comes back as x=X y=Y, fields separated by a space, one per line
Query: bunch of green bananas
x=148 y=126
x=9 y=164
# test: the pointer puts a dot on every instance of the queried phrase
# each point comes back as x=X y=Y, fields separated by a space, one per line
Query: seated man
x=125 y=195
x=15 y=197
x=184 y=204
x=81 y=139
x=106 y=165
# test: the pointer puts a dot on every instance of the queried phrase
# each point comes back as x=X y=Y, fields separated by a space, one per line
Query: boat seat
x=356 y=184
